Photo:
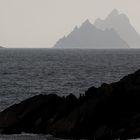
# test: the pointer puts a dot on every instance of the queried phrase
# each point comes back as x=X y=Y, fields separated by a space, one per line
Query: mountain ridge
x=122 y=25
x=89 y=36
x=118 y=23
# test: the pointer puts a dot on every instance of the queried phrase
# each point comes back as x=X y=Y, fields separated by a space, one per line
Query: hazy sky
x=40 y=23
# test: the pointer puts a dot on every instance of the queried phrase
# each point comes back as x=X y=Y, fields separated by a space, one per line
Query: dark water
x=27 y=137
x=28 y=72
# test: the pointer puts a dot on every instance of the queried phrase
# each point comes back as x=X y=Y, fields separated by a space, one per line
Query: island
x=113 y=32
x=87 y=36
x=122 y=25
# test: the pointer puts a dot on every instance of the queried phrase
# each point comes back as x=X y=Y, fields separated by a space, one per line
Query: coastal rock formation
x=109 y=112
x=122 y=25
x=115 y=31
x=88 y=36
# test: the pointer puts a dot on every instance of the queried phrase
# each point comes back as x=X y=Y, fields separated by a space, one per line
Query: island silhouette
x=115 y=31
x=121 y=24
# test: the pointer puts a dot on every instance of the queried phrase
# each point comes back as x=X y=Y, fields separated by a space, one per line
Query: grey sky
x=40 y=23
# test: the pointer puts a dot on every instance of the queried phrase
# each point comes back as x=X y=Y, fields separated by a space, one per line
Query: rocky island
x=87 y=36
x=109 y=112
x=113 y=32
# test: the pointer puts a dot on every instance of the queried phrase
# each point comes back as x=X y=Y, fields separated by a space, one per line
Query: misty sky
x=40 y=23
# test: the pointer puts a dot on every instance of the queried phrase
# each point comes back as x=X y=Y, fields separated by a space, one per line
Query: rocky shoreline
x=110 y=111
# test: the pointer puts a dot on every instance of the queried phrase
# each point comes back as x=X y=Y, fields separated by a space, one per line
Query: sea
x=28 y=72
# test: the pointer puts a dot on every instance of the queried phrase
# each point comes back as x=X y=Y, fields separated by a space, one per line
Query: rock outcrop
x=88 y=36
x=122 y=25
x=109 y=112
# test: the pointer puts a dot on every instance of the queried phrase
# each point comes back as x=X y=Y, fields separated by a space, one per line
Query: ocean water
x=27 y=137
x=28 y=72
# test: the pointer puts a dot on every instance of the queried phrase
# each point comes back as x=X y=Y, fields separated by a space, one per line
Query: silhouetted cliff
x=109 y=112
x=88 y=36
x=121 y=24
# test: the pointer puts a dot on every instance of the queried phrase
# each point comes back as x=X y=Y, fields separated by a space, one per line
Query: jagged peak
x=75 y=28
x=114 y=12
x=87 y=23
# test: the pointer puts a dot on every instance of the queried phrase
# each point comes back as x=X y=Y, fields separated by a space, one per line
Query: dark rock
x=109 y=112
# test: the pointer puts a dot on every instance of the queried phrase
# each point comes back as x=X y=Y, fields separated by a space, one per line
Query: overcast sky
x=40 y=23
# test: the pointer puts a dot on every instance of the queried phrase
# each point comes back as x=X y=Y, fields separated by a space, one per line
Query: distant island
x=121 y=24
x=1 y=47
x=113 y=32
x=88 y=36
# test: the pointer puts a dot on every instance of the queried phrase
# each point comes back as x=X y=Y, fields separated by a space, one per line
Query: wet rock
x=110 y=111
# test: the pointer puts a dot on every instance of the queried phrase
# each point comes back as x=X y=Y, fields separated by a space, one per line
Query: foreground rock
x=109 y=112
